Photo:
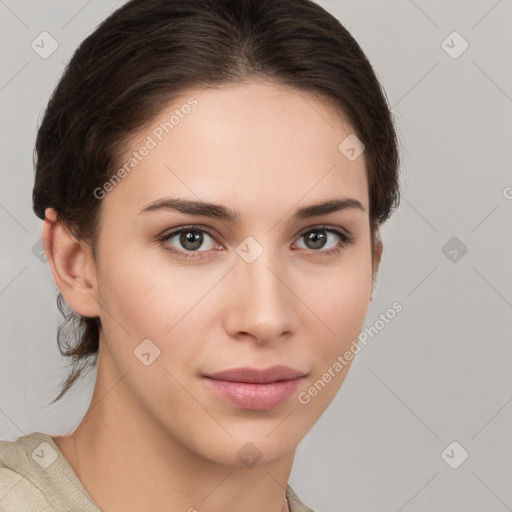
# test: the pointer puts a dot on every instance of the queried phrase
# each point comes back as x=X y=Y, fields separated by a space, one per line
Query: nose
x=261 y=303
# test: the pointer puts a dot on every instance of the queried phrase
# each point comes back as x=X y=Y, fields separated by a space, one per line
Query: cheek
x=132 y=294
x=342 y=303
x=152 y=297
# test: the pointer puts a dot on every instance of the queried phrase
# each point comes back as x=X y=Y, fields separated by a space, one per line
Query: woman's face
x=269 y=287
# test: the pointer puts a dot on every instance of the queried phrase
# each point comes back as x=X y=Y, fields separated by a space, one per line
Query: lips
x=254 y=389
x=256 y=376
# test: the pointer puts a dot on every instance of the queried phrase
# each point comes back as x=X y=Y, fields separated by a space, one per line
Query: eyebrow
x=218 y=211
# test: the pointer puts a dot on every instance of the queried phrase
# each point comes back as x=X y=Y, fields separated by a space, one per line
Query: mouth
x=255 y=389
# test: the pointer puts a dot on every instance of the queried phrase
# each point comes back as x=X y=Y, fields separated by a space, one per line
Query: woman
x=212 y=176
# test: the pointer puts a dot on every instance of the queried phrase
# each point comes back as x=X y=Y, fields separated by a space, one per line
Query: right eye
x=188 y=240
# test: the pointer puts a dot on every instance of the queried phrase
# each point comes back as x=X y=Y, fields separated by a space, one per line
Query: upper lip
x=257 y=376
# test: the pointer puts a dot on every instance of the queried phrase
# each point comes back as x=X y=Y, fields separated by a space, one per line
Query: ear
x=378 y=247
x=72 y=265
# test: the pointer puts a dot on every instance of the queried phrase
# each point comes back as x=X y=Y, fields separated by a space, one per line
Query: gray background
x=440 y=370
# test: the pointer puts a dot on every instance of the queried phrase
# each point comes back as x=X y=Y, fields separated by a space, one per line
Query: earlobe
x=378 y=247
x=72 y=265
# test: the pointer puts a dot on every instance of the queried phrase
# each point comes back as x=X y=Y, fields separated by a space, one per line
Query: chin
x=253 y=448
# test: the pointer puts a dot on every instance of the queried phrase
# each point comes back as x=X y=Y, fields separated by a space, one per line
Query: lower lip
x=255 y=397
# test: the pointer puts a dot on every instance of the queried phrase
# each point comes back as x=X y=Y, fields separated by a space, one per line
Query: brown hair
x=148 y=52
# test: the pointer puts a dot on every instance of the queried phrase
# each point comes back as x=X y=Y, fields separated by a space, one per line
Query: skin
x=265 y=150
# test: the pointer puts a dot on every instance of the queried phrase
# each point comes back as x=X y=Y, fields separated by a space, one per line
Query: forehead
x=253 y=146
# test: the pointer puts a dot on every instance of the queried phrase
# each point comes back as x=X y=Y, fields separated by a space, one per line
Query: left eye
x=319 y=236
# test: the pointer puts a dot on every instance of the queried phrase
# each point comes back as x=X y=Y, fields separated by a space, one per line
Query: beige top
x=36 y=477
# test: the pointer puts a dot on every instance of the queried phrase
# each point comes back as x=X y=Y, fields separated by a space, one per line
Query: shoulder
x=18 y=475
x=295 y=503
x=35 y=477
x=18 y=457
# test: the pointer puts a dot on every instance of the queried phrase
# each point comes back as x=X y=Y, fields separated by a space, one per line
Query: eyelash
x=345 y=240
